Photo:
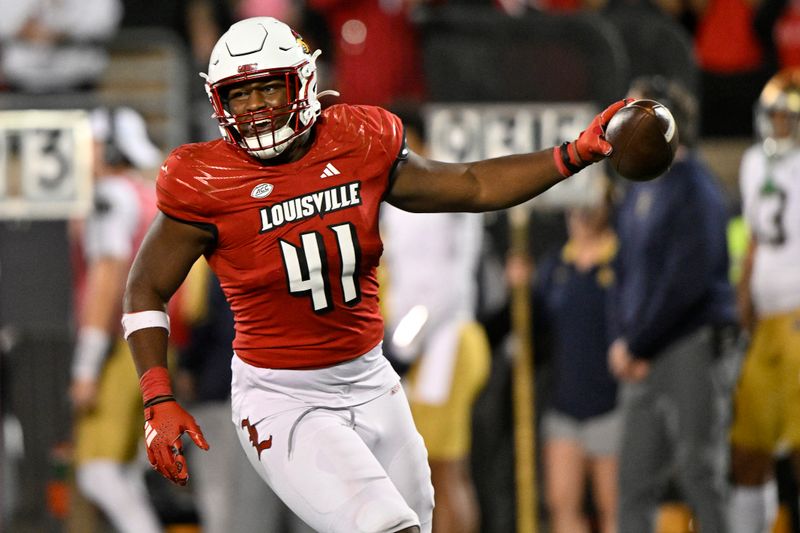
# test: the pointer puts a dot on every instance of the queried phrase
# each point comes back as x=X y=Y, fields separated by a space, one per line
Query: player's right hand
x=164 y=423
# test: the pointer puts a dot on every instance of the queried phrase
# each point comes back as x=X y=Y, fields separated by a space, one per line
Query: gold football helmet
x=777 y=114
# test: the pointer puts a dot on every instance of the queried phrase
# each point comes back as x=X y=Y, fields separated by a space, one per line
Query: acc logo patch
x=262 y=190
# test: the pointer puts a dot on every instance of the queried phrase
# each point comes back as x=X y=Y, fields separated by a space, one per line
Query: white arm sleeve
x=90 y=352
x=111 y=228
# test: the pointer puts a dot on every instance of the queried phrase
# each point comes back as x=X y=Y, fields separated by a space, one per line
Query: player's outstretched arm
x=162 y=263
x=165 y=258
x=422 y=185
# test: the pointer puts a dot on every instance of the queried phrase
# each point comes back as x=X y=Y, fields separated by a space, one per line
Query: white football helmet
x=258 y=48
x=777 y=113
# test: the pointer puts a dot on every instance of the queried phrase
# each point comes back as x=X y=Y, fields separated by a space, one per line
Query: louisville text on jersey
x=309 y=205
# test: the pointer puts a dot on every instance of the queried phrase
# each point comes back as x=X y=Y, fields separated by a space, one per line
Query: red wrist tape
x=155 y=382
x=568 y=160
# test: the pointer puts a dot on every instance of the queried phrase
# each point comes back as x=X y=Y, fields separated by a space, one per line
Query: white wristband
x=144 y=319
x=90 y=352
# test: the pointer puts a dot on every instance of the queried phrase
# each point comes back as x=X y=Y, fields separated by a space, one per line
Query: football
x=645 y=137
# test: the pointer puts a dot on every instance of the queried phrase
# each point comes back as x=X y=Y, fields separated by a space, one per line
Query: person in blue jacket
x=671 y=299
x=580 y=424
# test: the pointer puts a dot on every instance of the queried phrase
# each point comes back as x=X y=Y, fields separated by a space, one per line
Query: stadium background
x=471 y=54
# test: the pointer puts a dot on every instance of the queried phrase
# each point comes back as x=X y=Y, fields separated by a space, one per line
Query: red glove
x=164 y=423
x=590 y=146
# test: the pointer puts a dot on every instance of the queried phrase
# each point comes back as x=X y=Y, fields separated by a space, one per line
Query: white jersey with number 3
x=771 y=203
x=115 y=226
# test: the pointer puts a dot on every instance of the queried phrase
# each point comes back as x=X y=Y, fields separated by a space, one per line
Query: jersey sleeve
x=385 y=133
x=749 y=173
x=392 y=135
x=180 y=192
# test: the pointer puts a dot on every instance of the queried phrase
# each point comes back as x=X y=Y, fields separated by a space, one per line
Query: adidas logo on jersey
x=329 y=171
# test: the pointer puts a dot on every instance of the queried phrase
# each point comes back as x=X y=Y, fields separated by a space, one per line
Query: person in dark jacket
x=580 y=424
x=672 y=294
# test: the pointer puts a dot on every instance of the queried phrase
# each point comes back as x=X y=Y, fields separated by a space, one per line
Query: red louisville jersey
x=298 y=243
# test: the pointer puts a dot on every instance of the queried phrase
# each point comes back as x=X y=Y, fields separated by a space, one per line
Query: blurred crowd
x=373 y=49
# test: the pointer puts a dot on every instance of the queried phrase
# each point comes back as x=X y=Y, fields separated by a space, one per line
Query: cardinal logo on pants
x=252 y=431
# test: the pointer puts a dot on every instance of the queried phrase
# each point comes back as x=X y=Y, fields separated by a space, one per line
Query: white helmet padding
x=254 y=49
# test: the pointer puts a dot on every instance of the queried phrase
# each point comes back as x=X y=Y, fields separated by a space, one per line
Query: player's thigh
x=447 y=427
x=322 y=469
x=387 y=427
x=757 y=411
x=113 y=429
x=790 y=402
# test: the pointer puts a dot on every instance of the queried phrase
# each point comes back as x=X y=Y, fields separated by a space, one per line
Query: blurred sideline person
x=285 y=208
x=377 y=57
x=198 y=25
x=672 y=298
x=580 y=424
x=767 y=400
x=56 y=47
x=226 y=488
x=430 y=311
x=104 y=389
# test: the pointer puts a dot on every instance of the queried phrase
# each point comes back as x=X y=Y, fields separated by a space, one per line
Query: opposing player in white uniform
x=767 y=409
x=285 y=207
x=429 y=304
x=104 y=387
x=430 y=312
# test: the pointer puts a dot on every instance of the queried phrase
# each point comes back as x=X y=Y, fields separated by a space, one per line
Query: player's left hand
x=590 y=146
x=164 y=424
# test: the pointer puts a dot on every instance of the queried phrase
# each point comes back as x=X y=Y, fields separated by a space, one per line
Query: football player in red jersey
x=285 y=209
